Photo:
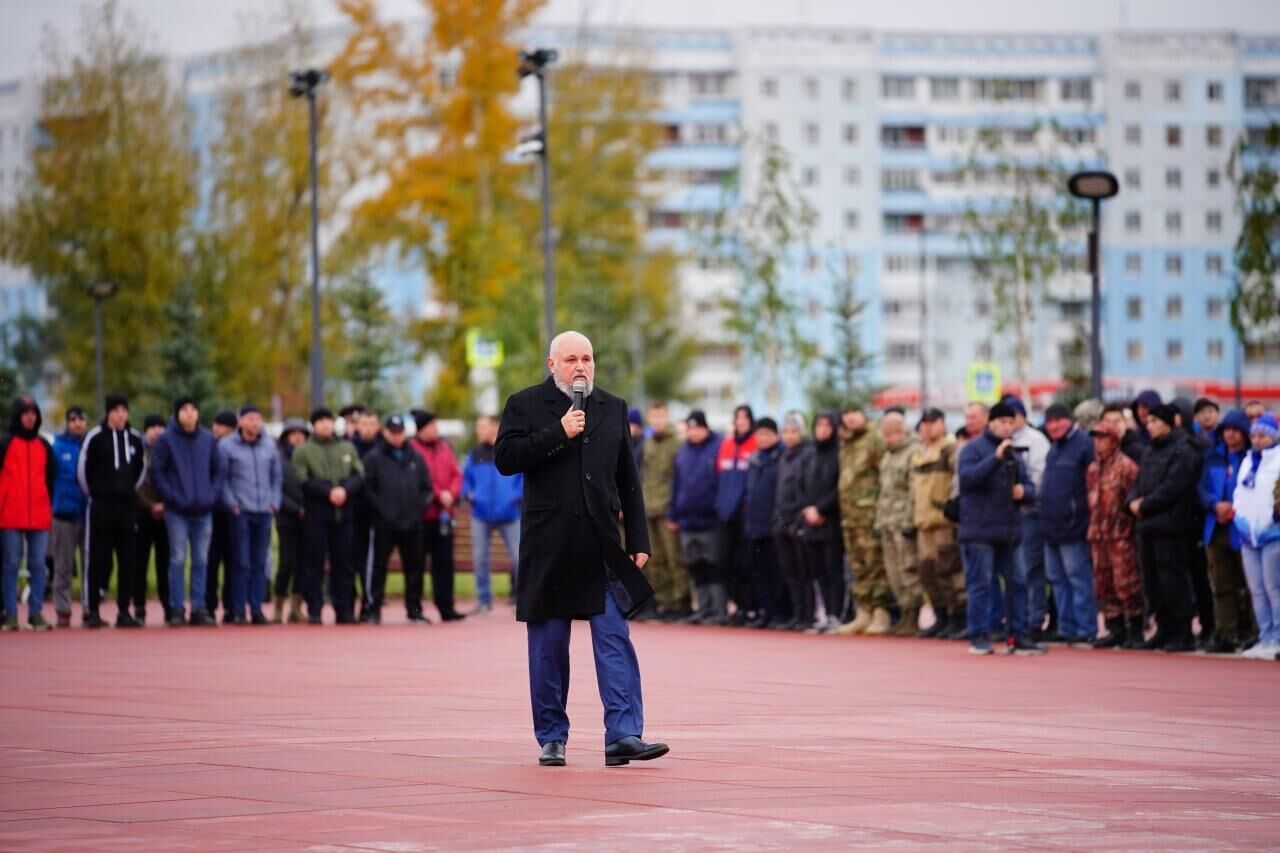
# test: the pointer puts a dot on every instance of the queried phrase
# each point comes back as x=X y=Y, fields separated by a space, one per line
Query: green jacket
x=656 y=471
x=320 y=465
x=860 y=475
x=895 y=508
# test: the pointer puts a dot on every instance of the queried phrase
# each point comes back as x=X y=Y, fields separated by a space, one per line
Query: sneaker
x=418 y=619
x=37 y=623
x=124 y=620
x=92 y=620
x=1262 y=651
x=981 y=646
x=258 y=618
x=1026 y=648
x=202 y=619
x=11 y=623
x=481 y=609
x=175 y=620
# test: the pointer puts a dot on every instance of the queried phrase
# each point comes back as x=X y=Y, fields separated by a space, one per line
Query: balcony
x=902 y=137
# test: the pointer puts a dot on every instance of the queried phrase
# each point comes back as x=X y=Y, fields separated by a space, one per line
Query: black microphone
x=579 y=390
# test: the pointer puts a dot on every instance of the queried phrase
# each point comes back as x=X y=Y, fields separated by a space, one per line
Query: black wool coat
x=573 y=492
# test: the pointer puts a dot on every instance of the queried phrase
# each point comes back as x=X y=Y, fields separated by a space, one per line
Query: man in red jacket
x=437 y=526
x=27 y=473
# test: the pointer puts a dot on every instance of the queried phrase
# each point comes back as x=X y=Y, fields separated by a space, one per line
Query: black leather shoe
x=552 y=754
x=632 y=749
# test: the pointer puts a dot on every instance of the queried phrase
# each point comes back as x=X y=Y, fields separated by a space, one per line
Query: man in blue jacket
x=757 y=526
x=1233 y=610
x=993 y=486
x=187 y=473
x=1064 y=521
x=67 y=535
x=251 y=496
x=495 y=507
x=693 y=515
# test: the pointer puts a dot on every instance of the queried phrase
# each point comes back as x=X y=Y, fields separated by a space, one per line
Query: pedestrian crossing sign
x=983 y=382
x=482 y=352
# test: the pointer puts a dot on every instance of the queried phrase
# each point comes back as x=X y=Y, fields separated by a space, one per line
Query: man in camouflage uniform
x=1117 y=584
x=895 y=521
x=665 y=571
x=860 y=450
x=933 y=468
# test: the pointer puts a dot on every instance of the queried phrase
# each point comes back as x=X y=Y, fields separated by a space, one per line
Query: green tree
x=761 y=237
x=1020 y=232
x=1255 y=300
x=841 y=377
x=372 y=348
x=182 y=357
x=108 y=195
x=27 y=346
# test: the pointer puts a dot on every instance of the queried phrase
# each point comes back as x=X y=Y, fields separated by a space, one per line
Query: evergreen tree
x=1255 y=301
x=182 y=358
x=842 y=375
x=371 y=347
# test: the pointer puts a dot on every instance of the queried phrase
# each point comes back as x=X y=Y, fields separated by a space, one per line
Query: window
x=949 y=178
x=1172 y=91
x=1133 y=134
x=944 y=88
x=1214 y=307
x=1213 y=178
x=1023 y=136
x=663 y=219
x=709 y=84
x=982 y=352
x=1173 y=307
x=901 y=263
x=1173 y=178
x=1132 y=90
x=771 y=131
x=902 y=351
x=1133 y=179
x=1076 y=135
x=711 y=133
x=1213 y=264
x=1173 y=350
x=982 y=308
x=898 y=307
x=851 y=176
x=903 y=223
x=852 y=266
x=898 y=88
x=1213 y=136
x=811 y=133
x=1133 y=263
x=900 y=180
x=850 y=134
x=1173 y=136
x=809 y=176
x=769 y=87
x=1213 y=91
x=851 y=220
x=1133 y=349
x=1262 y=91
x=1007 y=89
x=1076 y=89
x=1173 y=264
x=1133 y=221
x=1133 y=308
x=849 y=89
x=910 y=137
x=811 y=87
x=1213 y=349
x=1213 y=221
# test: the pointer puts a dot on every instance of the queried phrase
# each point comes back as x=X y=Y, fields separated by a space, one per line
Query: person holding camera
x=994 y=485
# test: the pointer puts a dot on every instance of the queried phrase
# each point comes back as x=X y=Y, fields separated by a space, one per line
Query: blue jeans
x=1033 y=558
x=37 y=543
x=481 y=531
x=1261 y=570
x=196 y=530
x=985 y=566
x=250 y=545
x=1071 y=573
x=617 y=675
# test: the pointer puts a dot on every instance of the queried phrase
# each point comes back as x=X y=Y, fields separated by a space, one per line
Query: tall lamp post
x=922 y=353
x=533 y=63
x=1094 y=186
x=101 y=291
x=303 y=84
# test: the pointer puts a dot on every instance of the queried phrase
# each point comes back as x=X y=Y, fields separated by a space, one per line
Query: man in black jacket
x=789 y=501
x=397 y=491
x=1165 y=501
x=579 y=474
x=820 y=520
x=289 y=525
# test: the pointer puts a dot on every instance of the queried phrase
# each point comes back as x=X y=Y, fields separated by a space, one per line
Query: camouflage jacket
x=932 y=471
x=1108 y=483
x=656 y=469
x=895 y=507
x=860 y=475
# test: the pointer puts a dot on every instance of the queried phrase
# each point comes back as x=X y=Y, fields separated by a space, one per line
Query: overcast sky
x=184 y=27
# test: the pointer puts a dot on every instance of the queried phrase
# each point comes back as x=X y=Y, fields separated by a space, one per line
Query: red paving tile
x=403 y=738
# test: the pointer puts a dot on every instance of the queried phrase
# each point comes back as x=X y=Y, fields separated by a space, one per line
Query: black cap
x=896 y=410
x=1057 y=411
x=114 y=401
x=1166 y=412
x=226 y=418
x=320 y=414
x=1205 y=403
x=77 y=412
x=421 y=417
x=185 y=399
x=152 y=420
x=248 y=409
x=351 y=409
x=932 y=414
x=767 y=423
x=1001 y=410
x=394 y=423
x=697 y=417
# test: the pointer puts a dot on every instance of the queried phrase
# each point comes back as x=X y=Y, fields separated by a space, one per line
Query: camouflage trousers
x=665 y=570
x=1117 y=583
x=866 y=563
x=902 y=566
x=941 y=574
x=1232 y=603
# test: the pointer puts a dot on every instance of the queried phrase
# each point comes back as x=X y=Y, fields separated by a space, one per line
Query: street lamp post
x=921 y=353
x=533 y=63
x=101 y=291
x=1095 y=186
x=303 y=84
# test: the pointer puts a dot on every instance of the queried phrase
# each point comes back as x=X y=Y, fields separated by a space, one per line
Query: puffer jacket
x=732 y=463
x=1257 y=498
x=822 y=490
x=1167 y=479
x=28 y=471
x=1218 y=479
x=789 y=498
x=1064 y=500
x=693 y=485
x=762 y=491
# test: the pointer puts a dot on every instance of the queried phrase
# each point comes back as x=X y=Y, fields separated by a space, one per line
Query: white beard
x=567 y=390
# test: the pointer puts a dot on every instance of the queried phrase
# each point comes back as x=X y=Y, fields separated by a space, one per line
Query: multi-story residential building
x=19 y=292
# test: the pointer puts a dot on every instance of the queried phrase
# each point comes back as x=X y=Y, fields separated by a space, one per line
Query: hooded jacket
x=761 y=493
x=1255 y=502
x=187 y=470
x=822 y=488
x=1167 y=480
x=1064 y=499
x=1218 y=479
x=111 y=466
x=789 y=498
x=693 y=485
x=495 y=497
x=253 y=479
x=28 y=471
x=397 y=486
x=68 y=501
x=988 y=512
x=732 y=462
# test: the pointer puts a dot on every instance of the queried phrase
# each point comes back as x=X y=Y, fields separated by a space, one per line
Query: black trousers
x=220 y=555
x=826 y=566
x=331 y=540
x=1202 y=590
x=1165 y=562
x=439 y=547
x=362 y=558
x=153 y=541
x=794 y=565
x=412 y=561
x=112 y=533
x=766 y=580
x=734 y=567
x=289 y=558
